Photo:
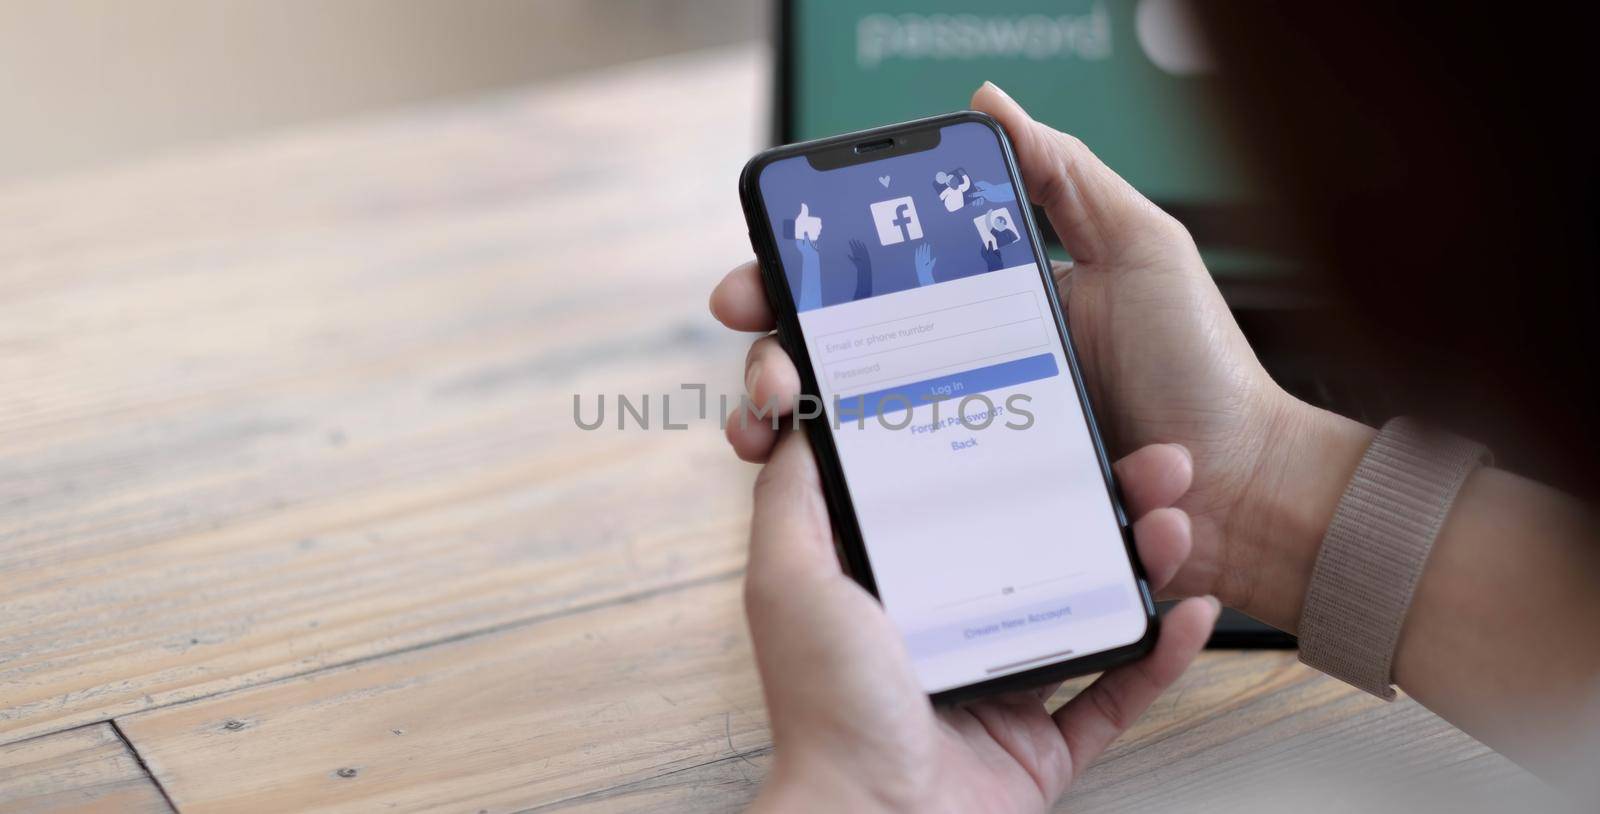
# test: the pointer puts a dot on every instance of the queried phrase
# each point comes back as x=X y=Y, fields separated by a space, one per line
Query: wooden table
x=294 y=515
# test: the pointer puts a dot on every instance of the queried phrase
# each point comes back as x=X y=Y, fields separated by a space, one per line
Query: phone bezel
x=841 y=509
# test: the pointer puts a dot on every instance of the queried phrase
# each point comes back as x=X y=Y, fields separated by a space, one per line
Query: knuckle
x=758 y=598
x=754 y=595
x=765 y=593
x=766 y=481
x=1112 y=709
x=1073 y=145
x=756 y=349
x=1169 y=227
x=773 y=482
x=1072 y=155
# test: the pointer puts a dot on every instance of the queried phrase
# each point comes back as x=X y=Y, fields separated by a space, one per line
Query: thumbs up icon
x=805 y=226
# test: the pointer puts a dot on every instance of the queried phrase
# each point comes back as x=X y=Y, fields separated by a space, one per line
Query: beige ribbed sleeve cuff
x=1375 y=549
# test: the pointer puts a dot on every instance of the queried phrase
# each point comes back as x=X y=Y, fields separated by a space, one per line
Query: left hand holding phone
x=854 y=730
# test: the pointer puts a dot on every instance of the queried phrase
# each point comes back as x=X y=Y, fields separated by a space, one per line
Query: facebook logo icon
x=896 y=221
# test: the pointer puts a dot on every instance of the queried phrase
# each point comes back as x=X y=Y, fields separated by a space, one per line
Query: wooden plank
x=87 y=769
x=724 y=785
x=1258 y=728
x=304 y=401
x=653 y=705
x=524 y=717
x=1248 y=730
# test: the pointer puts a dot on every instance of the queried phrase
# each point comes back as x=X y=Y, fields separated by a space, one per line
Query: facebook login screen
x=980 y=499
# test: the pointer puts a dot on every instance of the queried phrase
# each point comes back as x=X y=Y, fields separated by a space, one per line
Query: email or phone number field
x=939 y=340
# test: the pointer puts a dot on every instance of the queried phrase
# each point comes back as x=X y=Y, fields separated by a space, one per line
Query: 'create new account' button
x=1032 y=617
x=951 y=386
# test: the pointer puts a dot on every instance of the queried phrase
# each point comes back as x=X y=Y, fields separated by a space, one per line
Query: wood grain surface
x=535 y=715
x=292 y=493
x=301 y=402
x=88 y=769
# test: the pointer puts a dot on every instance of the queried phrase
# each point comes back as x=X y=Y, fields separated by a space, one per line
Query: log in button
x=953 y=386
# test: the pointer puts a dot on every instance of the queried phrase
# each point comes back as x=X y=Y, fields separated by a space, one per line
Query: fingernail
x=751 y=375
x=1216 y=605
x=1003 y=94
x=1183 y=449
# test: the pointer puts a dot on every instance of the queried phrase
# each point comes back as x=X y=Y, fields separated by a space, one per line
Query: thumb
x=1096 y=213
x=824 y=648
x=790 y=536
x=804 y=210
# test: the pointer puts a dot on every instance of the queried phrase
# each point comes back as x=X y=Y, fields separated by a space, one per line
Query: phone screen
x=986 y=517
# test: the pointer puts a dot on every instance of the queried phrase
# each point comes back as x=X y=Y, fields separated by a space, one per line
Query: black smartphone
x=968 y=486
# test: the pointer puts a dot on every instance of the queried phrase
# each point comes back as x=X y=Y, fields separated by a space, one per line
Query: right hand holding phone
x=1163 y=359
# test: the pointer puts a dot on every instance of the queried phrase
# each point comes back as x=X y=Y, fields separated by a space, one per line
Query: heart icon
x=884 y=179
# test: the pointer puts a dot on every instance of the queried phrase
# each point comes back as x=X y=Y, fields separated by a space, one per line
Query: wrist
x=1277 y=527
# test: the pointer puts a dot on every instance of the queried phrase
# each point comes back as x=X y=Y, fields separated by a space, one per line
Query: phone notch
x=874 y=147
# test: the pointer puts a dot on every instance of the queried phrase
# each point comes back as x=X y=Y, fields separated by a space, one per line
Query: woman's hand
x=1163 y=358
x=855 y=732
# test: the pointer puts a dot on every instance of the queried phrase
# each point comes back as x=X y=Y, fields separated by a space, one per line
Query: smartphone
x=968 y=486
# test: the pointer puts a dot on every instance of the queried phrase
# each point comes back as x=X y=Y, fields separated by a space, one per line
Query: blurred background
x=86 y=83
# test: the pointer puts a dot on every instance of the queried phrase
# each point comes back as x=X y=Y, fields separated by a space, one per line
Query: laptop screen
x=1125 y=77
